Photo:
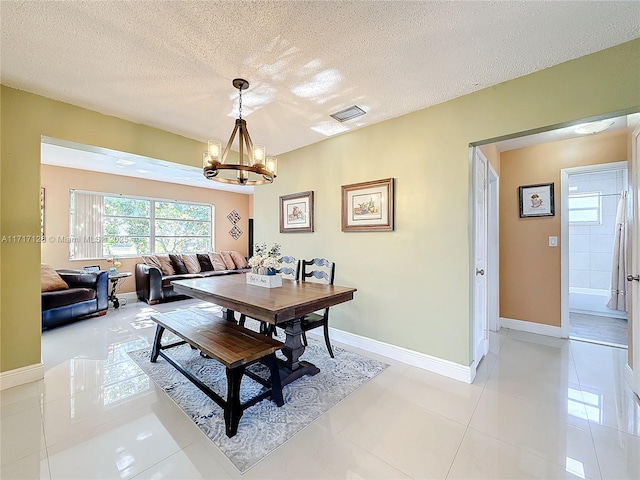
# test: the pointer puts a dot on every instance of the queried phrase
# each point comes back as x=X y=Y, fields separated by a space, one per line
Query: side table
x=114 y=278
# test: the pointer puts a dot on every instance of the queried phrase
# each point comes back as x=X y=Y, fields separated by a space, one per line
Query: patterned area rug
x=264 y=426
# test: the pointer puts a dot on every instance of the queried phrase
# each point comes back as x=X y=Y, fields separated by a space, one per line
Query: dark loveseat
x=154 y=286
x=88 y=294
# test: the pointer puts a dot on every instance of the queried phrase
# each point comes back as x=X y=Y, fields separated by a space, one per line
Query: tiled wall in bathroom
x=591 y=246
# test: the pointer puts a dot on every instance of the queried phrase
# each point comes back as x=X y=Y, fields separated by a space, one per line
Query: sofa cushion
x=228 y=261
x=165 y=265
x=238 y=259
x=62 y=298
x=191 y=262
x=50 y=280
x=178 y=265
x=167 y=279
x=205 y=262
x=152 y=261
x=217 y=261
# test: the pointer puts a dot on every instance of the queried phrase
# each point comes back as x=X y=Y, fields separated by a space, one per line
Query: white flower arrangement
x=266 y=258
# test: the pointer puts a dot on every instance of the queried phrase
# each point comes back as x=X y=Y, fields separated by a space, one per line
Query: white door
x=634 y=271
x=480 y=334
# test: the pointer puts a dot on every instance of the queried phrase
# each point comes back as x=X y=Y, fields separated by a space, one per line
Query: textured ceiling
x=170 y=64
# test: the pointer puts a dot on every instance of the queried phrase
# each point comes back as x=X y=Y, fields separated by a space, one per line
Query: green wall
x=413 y=283
x=25 y=118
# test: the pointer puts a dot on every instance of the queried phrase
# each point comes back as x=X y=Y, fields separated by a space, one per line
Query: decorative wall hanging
x=235 y=232
x=368 y=206
x=234 y=217
x=296 y=212
x=536 y=200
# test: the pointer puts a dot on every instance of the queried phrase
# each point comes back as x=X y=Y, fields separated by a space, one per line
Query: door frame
x=493 y=250
x=565 y=325
x=491 y=288
x=633 y=173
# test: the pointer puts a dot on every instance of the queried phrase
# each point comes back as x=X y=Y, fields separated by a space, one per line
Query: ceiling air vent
x=348 y=113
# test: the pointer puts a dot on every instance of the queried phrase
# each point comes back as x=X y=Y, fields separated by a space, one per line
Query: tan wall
x=492 y=154
x=58 y=181
x=413 y=283
x=530 y=269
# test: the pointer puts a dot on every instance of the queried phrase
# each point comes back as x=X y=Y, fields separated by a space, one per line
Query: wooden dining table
x=281 y=306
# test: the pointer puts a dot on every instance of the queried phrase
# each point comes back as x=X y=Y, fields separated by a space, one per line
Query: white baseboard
x=433 y=364
x=531 y=327
x=20 y=376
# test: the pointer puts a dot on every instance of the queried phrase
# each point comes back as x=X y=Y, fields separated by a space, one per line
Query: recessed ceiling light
x=348 y=113
x=593 y=127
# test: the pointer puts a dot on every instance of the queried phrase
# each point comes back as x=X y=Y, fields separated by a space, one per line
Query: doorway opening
x=596 y=208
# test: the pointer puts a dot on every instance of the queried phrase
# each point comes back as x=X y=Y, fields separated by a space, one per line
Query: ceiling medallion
x=253 y=167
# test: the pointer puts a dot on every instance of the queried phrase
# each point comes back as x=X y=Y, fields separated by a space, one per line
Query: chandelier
x=253 y=167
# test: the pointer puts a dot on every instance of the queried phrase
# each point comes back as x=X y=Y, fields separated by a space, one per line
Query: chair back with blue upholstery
x=290 y=267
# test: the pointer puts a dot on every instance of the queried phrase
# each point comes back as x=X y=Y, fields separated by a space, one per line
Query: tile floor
x=596 y=328
x=540 y=408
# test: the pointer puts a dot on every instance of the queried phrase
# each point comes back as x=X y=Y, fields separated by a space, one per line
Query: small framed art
x=368 y=206
x=536 y=200
x=296 y=213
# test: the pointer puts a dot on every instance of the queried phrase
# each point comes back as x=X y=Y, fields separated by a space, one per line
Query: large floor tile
x=190 y=463
x=34 y=466
x=21 y=435
x=450 y=398
x=16 y=399
x=619 y=412
x=484 y=457
x=419 y=443
x=618 y=453
x=601 y=367
x=547 y=431
x=114 y=450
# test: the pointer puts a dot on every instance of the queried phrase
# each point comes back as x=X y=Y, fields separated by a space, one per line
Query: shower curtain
x=618 y=300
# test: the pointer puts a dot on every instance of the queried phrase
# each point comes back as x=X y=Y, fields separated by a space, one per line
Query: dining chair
x=323 y=271
x=290 y=269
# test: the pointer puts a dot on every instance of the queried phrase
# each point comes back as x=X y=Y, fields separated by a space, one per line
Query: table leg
x=112 y=296
x=293 y=347
x=155 y=351
x=233 y=407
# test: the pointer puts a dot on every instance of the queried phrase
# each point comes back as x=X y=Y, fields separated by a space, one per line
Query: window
x=114 y=225
x=585 y=209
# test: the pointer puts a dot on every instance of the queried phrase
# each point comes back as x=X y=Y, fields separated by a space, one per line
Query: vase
x=271 y=271
x=262 y=271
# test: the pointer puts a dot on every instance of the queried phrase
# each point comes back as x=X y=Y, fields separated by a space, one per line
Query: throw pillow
x=228 y=261
x=152 y=261
x=50 y=280
x=178 y=265
x=191 y=262
x=165 y=265
x=205 y=262
x=238 y=259
x=217 y=261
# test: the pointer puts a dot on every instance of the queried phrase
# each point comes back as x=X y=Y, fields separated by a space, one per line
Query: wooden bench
x=233 y=346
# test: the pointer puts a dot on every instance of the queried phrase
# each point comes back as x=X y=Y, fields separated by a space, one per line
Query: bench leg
x=276 y=384
x=155 y=351
x=233 y=408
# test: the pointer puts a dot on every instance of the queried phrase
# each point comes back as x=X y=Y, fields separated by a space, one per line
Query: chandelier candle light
x=255 y=169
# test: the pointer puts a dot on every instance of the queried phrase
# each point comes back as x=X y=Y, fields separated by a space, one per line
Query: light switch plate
x=553 y=241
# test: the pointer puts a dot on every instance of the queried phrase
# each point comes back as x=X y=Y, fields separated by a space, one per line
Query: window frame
x=153 y=201
x=598 y=208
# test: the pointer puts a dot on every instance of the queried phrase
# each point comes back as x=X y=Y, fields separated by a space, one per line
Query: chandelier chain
x=240 y=107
